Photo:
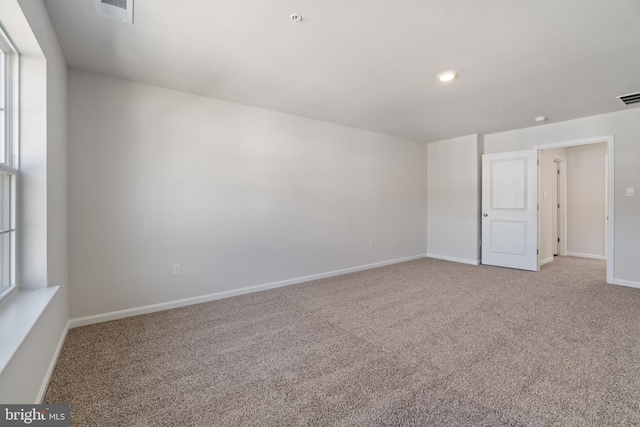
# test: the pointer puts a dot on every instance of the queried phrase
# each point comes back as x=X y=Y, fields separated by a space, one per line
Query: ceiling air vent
x=632 y=98
x=120 y=10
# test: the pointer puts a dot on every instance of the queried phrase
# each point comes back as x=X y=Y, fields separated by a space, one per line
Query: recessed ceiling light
x=541 y=119
x=447 y=76
x=296 y=17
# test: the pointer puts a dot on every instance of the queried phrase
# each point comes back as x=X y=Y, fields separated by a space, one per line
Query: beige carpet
x=424 y=343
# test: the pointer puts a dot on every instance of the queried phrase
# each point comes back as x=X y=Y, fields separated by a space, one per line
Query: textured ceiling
x=371 y=64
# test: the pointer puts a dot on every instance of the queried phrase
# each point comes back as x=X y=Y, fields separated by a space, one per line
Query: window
x=8 y=163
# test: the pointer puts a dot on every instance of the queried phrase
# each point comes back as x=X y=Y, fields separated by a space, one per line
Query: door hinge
x=558 y=205
x=558 y=240
x=537 y=251
x=538 y=162
x=558 y=171
x=538 y=206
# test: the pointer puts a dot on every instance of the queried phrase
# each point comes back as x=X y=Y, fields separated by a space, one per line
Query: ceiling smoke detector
x=296 y=17
x=119 y=10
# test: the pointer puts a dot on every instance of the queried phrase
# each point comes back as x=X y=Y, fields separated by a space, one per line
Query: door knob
x=485 y=214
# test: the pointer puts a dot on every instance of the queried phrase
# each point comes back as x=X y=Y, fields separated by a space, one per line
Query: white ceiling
x=371 y=64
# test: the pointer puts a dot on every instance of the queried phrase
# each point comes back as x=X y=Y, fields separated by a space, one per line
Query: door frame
x=562 y=199
x=610 y=140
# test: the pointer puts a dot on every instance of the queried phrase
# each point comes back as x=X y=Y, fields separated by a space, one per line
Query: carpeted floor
x=423 y=343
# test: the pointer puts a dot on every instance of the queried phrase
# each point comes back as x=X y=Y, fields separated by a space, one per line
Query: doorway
x=576 y=200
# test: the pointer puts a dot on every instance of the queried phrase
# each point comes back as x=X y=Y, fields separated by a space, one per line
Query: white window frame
x=9 y=164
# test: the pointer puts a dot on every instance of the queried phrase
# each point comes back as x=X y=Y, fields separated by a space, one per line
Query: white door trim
x=562 y=199
x=610 y=140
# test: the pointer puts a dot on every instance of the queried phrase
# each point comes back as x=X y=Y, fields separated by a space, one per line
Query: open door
x=510 y=209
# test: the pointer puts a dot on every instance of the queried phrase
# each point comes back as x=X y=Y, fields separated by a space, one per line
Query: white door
x=510 y=209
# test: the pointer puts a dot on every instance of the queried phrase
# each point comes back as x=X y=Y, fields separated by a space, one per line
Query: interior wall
x=625 y=127
x=43 y=209
x=586 y=200
x=239 y=196
x=453 y=189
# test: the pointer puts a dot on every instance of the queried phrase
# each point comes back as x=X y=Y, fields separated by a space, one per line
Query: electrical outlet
x=371 y=244
x=177 y=270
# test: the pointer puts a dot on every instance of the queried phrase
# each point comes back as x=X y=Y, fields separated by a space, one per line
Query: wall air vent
x=120 y=10
x=632 y=98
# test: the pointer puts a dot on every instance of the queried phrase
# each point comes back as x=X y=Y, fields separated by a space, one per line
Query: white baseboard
x=120 y=314
x=52 y=365
x=449 y=258
x=628 y=283
x=546 y=261
x=578 y=254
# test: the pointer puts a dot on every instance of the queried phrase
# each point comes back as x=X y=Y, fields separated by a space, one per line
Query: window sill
x=18 y=314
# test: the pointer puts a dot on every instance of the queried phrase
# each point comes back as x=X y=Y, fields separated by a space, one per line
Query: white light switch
x=631 y=191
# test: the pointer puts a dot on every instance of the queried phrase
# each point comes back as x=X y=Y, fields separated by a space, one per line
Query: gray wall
x=586 y=210
x=453 y=189
x=239 y=196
